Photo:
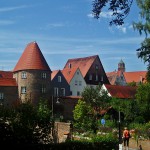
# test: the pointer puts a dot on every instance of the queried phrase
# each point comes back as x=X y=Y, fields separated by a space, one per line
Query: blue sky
x=66 y=29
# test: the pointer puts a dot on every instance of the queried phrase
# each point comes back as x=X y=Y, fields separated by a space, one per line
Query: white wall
x=77 y=79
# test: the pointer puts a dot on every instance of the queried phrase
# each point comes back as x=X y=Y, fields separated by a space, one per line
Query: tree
x=87 y=111
x=143 y=100
x=128 y=107
x=18 y=125
x=96 y=97
x=81 y=115
x=120 y=10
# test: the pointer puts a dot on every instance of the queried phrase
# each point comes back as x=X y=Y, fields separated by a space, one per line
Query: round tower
x=121 y=66
x=33 y=75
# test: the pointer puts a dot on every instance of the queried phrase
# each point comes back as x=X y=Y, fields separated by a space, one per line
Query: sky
x=66 y=29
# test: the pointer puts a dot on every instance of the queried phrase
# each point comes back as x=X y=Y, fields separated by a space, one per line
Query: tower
x=32 y=75
x=121 y=66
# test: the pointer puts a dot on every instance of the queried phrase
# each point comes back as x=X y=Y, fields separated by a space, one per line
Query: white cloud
x=6 y=22
x=5 y=9
x=90 y=15
x=122 y=29
x=106 y=14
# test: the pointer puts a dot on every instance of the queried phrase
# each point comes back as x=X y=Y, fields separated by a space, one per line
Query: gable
x=83 y=64
x=69 y=73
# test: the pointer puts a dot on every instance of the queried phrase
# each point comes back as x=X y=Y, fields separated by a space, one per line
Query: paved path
x=130 y=149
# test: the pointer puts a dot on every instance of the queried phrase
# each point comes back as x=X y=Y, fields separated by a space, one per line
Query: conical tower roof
x=32 y=58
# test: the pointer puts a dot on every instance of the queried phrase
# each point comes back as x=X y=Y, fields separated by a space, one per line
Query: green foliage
x=119 y=8
x=132 y=84
x=19 y=124
x=96 y=97
x=87 y=110
x=143 y=100
x=81 y=115
x=43 y=111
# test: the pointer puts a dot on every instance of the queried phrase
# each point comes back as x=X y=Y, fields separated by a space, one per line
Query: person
x=126 y=137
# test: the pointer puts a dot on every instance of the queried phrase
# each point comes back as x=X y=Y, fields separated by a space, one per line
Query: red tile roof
x=112 y=76
x=83 y=64
x=69 y=73
x=6 y=74
x=32 y=58
x=53 y=74
x=123 y=92
x=8 y=82
x=136 y=76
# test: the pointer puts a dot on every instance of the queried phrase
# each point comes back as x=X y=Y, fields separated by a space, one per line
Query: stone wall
x=61 y=131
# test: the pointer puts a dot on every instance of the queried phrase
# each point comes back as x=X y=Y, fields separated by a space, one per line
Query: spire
x=32 y=58
x=121 y=66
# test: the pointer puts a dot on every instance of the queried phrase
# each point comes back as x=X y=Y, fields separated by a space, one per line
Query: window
x=101 y=78
x=69 y=65
x=62 y=91
x=96 y=67
x=78 y=93
x=1 y=96
x=43 y=75
x=55 y=91
x=23 y=90
x=80 y=83
x=43 y=89
x=90 y=77
x=23 y=75
x=77 y=72
x=59 y=78
x=70 y=92
x=96 y=77
x=76 y=82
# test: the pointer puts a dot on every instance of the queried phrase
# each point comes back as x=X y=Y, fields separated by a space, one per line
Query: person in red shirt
x=126 y=137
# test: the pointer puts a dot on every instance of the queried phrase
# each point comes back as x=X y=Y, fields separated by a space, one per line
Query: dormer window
x=23 y=75
x=69 y=65
x=43 y=75
x=59 y=78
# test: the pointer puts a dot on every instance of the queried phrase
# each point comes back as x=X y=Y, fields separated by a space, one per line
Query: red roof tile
x=32 y=58
x=69 y=73
x=118 y=91
x=54 y=73
x=8 y=82
x=83 y=64
x=137 y=76
x=6 y=74
x=112 y=76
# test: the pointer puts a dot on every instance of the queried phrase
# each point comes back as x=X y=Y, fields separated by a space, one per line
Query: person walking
x=126 y=137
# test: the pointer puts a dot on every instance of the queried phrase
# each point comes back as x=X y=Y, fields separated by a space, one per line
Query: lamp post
x=120 y=143
x=57 y=102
